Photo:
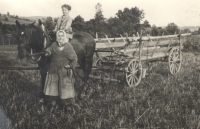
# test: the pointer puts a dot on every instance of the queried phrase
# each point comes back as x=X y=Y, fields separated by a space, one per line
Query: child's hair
x=66 y=6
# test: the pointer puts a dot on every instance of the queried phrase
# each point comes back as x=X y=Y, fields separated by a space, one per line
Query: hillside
x=11 y=20
x=191 y=28
x=33 y=18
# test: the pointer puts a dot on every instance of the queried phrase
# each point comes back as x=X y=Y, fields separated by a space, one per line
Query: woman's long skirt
x=60 y=84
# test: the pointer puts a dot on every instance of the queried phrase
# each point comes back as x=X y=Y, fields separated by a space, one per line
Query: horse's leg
x=83 y=78
x=86 y=66
x=87 y=69
x=43 y=73
x=44 y=66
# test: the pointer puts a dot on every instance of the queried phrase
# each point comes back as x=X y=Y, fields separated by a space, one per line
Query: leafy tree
x=195 y=32
x=55 y=20
x=49 y=24
x=16 y=16
x=1 y=25
x=130 y=18
x=172 y=28
x=146 y=24
x=146 y=31
x=154 y=31
x=186 y=31
x=198 y=31
x=90 y=25
x=49 y=19
x=78 y=24
x=115 y=26
x=162 y=31
x=98 y=15
x=99 y=20
x=9 y=29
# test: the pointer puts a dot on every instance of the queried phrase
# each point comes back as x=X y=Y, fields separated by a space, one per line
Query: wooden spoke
x=172 y=68
x=178 y=65
x=133 y=65
x=130 y=80
x=175 y=68
x=129 y=75
x=136 y=65
x=133 y=82
x=136 y=78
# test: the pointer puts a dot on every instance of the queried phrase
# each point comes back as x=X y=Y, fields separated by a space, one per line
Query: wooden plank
x=145 y=51
x=135 y=52
x=104 y=50
x=109 y=45
x=18 y=68
x=133 y=44
x=143 y=38
x=155 y=56
x=116 y=39
x=145 y=58
x=135 y=49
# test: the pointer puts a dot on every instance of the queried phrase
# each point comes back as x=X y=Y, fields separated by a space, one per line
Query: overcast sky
x=158 y=12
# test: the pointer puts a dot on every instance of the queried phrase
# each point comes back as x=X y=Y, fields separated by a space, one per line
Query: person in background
x=64 y=22
x=59 y=80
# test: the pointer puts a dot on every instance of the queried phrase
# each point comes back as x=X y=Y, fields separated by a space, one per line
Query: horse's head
x=32 y=39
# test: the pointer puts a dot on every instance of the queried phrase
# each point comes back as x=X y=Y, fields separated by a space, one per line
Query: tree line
x=127 y=21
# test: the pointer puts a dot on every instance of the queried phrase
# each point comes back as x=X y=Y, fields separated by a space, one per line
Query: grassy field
x=8 y=48
x=160 y=101
x=11 y=20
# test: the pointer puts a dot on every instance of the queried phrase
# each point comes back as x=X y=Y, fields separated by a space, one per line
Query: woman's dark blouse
x=61 y=58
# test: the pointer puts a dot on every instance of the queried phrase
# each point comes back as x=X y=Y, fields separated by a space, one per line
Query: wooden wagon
x=120 y=56
x=124 y=56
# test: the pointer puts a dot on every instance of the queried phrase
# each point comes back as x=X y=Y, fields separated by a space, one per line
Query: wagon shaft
x=19 y=68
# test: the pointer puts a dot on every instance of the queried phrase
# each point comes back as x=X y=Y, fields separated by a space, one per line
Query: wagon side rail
x=134 y=45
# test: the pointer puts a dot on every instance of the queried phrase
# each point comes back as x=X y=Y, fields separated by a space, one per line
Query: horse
x=34 y=38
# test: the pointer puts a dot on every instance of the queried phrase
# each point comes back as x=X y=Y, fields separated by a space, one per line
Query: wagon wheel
x=98 y=62
x=133 y=73
x=174 y=60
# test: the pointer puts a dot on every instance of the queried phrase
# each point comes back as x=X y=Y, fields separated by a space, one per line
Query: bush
x=192 y=44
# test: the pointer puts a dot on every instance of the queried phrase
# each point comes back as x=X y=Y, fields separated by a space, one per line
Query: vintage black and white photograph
x=99 y=64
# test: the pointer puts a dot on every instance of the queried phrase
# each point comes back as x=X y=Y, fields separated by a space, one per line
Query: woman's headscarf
x=65 y=37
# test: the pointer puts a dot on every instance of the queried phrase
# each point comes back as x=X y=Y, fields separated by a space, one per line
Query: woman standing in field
x=59 y=80
x=64 y=22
